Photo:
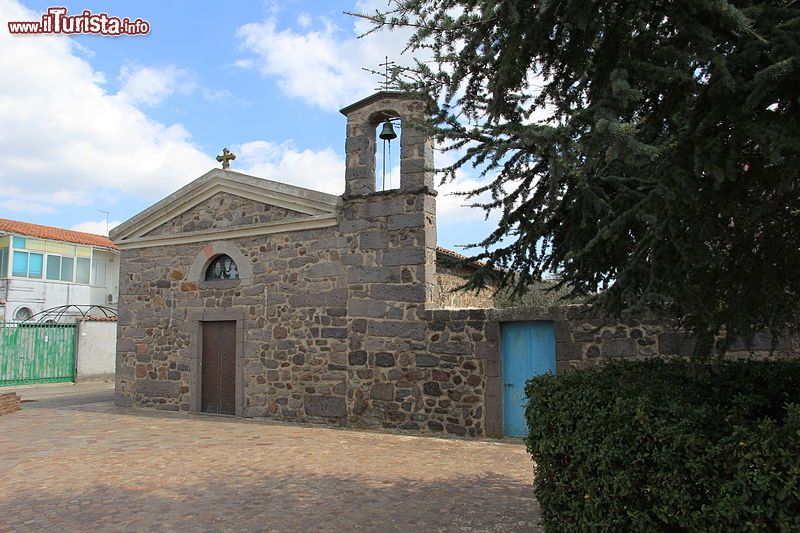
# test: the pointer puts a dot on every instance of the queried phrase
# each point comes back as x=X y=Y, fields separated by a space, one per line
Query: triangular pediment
x=225 y=204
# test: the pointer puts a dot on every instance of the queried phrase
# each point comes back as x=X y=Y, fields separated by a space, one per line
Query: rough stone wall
x=9 y=402
x=292 y=308
x=343 y=337
x=448 y=279
x=583 y=342
x=223 y=210
x=334 y=321
x=335 y=324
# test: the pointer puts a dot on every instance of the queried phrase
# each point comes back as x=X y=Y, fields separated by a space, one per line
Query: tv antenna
x=106 y=213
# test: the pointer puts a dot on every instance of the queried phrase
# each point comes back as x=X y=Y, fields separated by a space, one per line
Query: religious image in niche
x=223 y=267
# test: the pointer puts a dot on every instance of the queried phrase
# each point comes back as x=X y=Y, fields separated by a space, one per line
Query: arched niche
x=216 y=252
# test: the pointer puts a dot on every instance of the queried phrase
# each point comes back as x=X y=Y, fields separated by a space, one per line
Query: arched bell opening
x=388 y=129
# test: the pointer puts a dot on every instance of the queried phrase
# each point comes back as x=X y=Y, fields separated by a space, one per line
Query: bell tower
x=416 y=147
x=392 y=232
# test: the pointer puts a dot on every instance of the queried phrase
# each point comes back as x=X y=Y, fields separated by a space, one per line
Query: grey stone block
x=372 y=240
x=487 y=350
x=325 y=270
x=409 y=220
x=334 y=333
x=325 y=406
x=382 y=391
x=674 y=343
x=384 y=359
x=618 y=348
x=404 y=256
x=366 y=307
x=398 y=293
x=357 y=357
x=453 y=348
x=359 y=274
x=569 y=351
x=425 y=360
x=398 y=328
x=158 y=389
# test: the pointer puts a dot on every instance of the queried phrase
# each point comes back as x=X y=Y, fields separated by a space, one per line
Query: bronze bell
x=387 y=133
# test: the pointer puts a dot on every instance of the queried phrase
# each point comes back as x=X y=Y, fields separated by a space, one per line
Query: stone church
x=249 y=297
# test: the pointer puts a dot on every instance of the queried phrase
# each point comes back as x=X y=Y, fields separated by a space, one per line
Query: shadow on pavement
x=285 y=502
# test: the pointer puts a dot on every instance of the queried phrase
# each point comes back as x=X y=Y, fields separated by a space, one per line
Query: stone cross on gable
x=226 y=158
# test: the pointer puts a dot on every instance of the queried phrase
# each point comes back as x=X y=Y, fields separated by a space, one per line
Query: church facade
x=254 y=298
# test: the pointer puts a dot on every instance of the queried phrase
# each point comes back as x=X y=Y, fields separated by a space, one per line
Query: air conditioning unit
x=110 y=298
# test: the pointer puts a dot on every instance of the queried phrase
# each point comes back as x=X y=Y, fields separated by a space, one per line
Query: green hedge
x=642 y=446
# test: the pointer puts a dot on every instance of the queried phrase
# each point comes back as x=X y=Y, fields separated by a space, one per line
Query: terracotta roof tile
x=56 y=234
x=461 y=257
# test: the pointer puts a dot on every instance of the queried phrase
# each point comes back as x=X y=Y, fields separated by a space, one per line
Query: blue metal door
x=529 y=349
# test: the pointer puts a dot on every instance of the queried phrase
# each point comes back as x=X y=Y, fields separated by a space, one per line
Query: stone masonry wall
x=583 y=342
x=335 y=325
x=223 y=210
x=448 y=279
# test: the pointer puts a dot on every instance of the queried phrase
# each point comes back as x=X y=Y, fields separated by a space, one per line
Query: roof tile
x=56 y=234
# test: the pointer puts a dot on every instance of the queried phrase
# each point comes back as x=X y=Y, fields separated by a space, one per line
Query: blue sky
x=116 y=123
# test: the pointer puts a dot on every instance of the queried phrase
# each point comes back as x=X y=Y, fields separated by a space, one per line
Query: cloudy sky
x=92 y=123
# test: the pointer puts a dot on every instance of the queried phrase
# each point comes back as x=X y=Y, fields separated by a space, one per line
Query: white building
x=42 y=267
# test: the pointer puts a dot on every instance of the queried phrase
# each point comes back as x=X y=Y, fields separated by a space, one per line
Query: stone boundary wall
x=583 y=341
x=448 y=279
x=9 y=402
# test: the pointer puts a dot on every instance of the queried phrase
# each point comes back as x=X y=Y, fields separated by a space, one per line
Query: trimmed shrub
x=668 y=446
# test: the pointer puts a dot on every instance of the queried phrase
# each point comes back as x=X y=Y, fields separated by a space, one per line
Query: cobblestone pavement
x=93 y=467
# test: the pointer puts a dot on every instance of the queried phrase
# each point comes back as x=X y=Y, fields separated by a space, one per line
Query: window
x=22 y=314
x=27 y=265
x=35 y=264
x=66 y=268
x=54 y=267
x=99 y=273
x=82 y=269
x=19 y=242
x=222 y=267
x=20 y=265
x=3 y=262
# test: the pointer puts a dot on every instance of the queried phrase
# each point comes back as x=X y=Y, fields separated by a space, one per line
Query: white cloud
x=26 y=206
x=322 y=66
x=152 y=85
x=98 y=227
x=216 y=95
x=64 y=138
x=244 y=63
x=304 y=20
x=319 y=170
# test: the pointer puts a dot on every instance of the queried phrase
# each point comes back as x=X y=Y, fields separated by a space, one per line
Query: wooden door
x=218 y=394
x=529 y=349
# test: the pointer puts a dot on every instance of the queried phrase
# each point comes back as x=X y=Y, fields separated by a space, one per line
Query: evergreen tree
x=645 y=151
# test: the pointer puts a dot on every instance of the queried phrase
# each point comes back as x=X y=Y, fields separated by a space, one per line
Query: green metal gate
x=36 y=353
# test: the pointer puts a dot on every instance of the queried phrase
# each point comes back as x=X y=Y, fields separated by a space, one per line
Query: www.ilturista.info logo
x=56 y=20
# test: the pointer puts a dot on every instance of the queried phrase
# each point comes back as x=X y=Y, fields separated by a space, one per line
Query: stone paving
x=92 y=467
